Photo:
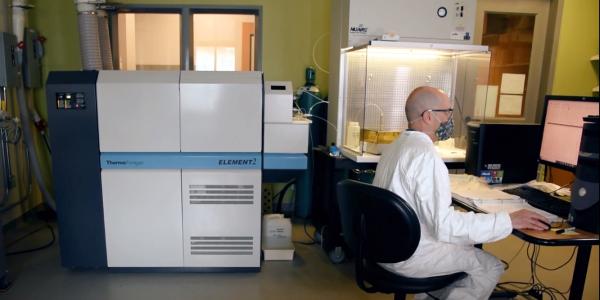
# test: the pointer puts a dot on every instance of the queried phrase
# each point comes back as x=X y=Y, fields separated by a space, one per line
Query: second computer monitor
x=563 y=123
x=503 y=153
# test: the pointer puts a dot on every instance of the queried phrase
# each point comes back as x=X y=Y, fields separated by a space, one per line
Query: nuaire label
x=359 y=29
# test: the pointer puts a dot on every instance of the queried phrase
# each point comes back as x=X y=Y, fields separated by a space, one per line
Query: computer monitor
x=502 y=152
x=562 y=126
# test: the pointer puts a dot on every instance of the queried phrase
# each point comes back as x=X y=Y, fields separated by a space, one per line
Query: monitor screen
x=563 y=123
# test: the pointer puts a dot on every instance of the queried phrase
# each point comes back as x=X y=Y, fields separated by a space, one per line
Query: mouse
x=547 y=224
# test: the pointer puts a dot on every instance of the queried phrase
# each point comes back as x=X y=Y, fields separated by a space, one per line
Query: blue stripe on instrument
x=179 y=160
x=285 y=161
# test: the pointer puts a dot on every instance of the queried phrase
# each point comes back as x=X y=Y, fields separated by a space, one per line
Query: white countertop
x=449 y=155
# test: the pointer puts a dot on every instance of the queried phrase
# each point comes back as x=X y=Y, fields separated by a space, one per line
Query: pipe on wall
x=19 y=18
x=104 y=35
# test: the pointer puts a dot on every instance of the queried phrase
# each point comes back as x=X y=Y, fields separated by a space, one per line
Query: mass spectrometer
x=158 y=169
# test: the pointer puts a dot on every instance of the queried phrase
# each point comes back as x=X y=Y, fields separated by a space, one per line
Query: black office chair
x=380 y=227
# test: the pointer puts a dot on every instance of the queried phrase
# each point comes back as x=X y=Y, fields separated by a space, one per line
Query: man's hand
x=526 y=219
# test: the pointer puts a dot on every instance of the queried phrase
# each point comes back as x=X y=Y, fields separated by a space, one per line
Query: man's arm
x=434 y=197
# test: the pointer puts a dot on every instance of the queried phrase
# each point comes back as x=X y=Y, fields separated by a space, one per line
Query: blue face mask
x=445 y=130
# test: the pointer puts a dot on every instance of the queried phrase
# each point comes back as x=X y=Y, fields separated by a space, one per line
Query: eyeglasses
x=450 y=110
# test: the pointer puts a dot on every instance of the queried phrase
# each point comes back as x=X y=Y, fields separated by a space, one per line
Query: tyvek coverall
x=412 y=168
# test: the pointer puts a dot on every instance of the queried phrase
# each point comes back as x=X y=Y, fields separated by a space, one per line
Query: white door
x=516 y=32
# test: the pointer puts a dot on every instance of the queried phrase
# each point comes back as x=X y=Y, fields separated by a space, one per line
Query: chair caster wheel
x=337 y=255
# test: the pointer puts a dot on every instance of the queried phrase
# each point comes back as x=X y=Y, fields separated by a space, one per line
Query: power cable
x=47 y=245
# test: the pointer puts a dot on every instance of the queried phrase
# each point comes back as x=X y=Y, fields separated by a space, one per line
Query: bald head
x=422 y=99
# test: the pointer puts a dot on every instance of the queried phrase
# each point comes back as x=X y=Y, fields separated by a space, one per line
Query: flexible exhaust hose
x=107 y=58
x=27 y=134
x=89 y=41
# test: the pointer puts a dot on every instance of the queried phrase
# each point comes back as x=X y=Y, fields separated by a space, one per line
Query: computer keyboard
x=542 y=200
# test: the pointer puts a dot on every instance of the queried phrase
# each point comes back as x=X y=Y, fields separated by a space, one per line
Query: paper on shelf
x=510 y=105
x=512 y=83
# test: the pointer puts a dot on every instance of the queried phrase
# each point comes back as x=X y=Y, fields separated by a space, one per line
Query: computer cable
x=517 y=254
x=47 y=245
x=535 y=287
x=521 y=291
x=312 y=239
x=281 y=195
x=507 y=263
x=561 y=187
x=561 y=265
x=533 y=258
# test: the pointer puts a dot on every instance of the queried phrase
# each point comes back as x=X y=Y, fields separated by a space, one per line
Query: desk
x=584 y=242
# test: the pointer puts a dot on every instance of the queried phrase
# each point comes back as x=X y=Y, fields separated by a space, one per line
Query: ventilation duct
x=89 y=34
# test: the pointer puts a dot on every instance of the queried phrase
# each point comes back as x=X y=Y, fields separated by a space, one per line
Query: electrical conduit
x=28 y=135
x=19 y=19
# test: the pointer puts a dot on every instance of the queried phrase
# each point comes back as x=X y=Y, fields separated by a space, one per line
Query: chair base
x=399 y=296
x=498 y=295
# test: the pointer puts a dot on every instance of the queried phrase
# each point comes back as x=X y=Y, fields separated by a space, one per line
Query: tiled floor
x=309 y=276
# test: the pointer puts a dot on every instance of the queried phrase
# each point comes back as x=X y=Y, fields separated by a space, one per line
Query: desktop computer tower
x=584 y=193
x=503 y=153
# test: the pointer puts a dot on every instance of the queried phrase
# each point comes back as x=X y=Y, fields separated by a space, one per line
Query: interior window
x=223 y=42
x=149 y=41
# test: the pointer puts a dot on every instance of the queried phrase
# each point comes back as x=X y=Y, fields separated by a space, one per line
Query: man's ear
x=427 y=117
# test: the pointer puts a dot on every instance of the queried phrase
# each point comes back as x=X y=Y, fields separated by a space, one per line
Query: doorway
x=516 y=32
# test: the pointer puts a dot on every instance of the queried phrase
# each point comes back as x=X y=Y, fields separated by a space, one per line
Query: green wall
x=290 y=29
x=574 y=73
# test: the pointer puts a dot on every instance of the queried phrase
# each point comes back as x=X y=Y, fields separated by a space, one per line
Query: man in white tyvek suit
x=412 y=169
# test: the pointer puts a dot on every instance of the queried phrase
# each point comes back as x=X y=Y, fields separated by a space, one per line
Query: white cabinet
x=221 y=111
x=138 y=111
x=142 y=217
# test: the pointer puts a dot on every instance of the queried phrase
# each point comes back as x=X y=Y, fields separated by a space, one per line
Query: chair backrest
x=390 y=230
